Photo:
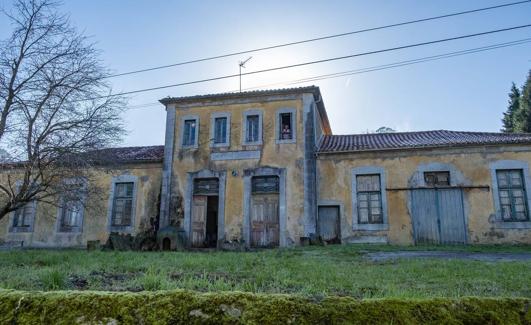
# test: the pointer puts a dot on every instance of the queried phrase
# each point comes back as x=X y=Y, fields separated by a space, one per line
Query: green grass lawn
x=312 y=271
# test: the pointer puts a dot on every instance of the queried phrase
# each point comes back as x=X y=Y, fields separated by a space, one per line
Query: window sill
x=284 y=141
x=512 y=224
x=371 y=227
x=122 y=229
x=21 y=230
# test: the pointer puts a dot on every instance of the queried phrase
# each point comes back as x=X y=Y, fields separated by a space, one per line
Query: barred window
x=369 y=195
x=513 y=197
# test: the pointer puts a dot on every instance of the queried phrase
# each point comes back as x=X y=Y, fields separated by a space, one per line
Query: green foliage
x=333 y=270
x=53 y=279
x=509 y=117
x=517 y=118
x=185 y=307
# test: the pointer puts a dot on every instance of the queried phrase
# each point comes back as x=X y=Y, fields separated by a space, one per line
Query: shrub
x=53 y=279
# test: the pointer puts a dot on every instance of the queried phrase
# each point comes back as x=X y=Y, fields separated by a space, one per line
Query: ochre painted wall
x=286 y=155
x=335 y=178
x=95 y=220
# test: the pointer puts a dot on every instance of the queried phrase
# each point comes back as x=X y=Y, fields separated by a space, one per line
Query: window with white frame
x=512 y=195
x=122 y=208
x=369 y=197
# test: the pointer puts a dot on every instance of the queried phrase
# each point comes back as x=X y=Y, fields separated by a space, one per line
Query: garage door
x=438 y=216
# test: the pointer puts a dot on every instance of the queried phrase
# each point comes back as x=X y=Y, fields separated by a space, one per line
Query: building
x=263 y=169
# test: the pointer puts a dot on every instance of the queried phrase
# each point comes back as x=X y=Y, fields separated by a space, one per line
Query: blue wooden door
x=438 y=216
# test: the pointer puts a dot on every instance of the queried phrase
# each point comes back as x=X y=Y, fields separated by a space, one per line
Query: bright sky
x=461 y=93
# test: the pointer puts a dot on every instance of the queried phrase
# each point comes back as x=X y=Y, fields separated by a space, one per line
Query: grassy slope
x=314 y=272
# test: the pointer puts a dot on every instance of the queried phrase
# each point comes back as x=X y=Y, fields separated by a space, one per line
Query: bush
x=53 y=280
x=17 y=307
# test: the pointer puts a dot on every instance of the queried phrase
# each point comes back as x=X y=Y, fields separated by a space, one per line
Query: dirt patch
x=485 y=257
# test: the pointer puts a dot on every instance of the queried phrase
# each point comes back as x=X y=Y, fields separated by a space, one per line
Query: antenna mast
x=242 y=65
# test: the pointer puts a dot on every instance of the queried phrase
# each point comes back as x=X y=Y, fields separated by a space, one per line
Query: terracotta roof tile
x=415 y=140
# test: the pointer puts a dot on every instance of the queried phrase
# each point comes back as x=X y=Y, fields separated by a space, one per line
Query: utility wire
x=319 y=38
x=315 y=62
x=376 y=68
x=397 y=64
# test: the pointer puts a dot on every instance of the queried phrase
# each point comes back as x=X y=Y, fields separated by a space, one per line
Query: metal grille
x=265 y=184
x=206 y=186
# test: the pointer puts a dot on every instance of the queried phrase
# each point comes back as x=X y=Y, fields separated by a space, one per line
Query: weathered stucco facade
x=262 y=169
x=470 y=170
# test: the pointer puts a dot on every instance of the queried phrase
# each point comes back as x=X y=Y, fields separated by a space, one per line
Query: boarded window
x=189 y=132
x=24 y=216
x=433 y=179
x=252 y=128
x=206 y=186
x=220 y=130
x=369 y=197
x=286 y=126
x=265 y=184
x=123 y=204
x=513 y=197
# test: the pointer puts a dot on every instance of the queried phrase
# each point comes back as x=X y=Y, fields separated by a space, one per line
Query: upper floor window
x=286 y=130
x=122 y=210
x=220 y=130
x=252 y=123
x=189 y=132
x=438 y=178
x=369 y=199
x=285 y=127
x=512 y=195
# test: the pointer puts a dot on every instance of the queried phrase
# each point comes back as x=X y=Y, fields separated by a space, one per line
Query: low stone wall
x=185 y=307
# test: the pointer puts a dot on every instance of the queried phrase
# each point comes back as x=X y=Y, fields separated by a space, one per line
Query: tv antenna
x=242 y=65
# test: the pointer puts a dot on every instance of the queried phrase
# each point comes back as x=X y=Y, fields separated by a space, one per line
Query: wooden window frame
x=293 y=125
x=369 y=170
x=246 y=115
x=369 y=194
x=436 y=173
x=213 y=118
x=510 y=188
x=195 y=140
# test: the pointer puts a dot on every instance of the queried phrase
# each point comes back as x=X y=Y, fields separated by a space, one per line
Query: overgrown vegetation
x=341 y=270
x=185 y=307
x=517 y=118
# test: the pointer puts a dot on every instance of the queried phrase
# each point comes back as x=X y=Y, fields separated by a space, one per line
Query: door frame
x=205 y=173
x=331 y=203
x=282 y=209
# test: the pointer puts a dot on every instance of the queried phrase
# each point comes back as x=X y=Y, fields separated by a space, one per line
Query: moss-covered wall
x=469 y=166
x=182 y=307
x=95 y=220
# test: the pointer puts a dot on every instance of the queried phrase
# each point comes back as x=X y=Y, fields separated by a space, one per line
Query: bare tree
x=55 y=106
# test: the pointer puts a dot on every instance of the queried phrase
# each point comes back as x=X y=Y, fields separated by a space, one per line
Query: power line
x=377 y=68
x=316 y=62
x=320 y=38
x=397 y=64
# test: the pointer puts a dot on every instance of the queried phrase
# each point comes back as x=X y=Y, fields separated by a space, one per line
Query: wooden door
x=329 y=223
x=264 y=220
x=199 y=212
x=438 y=216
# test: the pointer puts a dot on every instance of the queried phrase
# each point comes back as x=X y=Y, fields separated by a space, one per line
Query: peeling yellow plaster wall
x=334 y=183
x=286 y=155
x=95 y=220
